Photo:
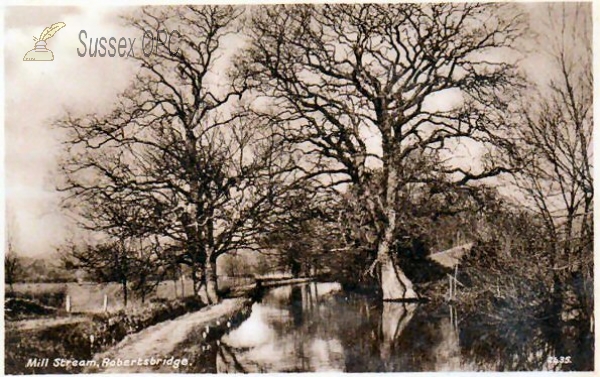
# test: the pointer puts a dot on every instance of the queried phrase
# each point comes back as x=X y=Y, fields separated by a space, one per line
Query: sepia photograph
x=296 y=188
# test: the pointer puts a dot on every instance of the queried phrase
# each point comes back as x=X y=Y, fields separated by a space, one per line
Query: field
x=89 y=297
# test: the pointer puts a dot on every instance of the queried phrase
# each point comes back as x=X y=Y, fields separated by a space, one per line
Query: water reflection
x=525 y=343
x=394 y=318
x=288 y=331
x=318 y=327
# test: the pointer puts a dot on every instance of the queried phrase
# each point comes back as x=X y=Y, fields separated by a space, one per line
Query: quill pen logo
x=40 y=52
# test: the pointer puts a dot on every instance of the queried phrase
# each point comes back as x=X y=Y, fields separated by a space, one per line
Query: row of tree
x=329 y=137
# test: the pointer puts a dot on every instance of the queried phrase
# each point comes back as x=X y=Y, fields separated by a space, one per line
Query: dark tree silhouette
x=343 y=76
x=555 y=141
x=179 y=147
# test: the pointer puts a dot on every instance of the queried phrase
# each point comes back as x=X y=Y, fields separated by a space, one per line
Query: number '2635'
x=559 y=360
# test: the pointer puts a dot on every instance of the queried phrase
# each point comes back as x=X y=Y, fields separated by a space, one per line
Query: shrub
x=48 y=294
x=16 y=308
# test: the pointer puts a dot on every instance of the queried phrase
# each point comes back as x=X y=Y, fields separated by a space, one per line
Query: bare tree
x=107 y=262
x=339 y=75
x=556 y=141
x=12 y=268
x=179 y=152
x=304 y=232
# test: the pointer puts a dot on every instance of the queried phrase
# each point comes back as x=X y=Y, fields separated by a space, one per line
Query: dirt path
x=160 y=340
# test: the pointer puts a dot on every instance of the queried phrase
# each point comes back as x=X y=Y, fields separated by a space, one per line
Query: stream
x=318 y=327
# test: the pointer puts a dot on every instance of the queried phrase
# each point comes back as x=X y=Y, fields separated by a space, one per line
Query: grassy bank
x=178 y=338
x=82 y=339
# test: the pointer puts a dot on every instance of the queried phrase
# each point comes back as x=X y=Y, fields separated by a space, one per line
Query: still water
x=318 y=327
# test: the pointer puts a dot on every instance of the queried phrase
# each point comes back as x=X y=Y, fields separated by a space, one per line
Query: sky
x=36 y=93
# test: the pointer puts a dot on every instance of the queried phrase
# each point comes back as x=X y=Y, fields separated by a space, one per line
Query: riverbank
x=32 y=345
x=124 y=335
x=157 y=342
x=141 y=352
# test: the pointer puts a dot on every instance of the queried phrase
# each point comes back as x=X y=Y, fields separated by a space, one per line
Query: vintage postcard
x=278 y=188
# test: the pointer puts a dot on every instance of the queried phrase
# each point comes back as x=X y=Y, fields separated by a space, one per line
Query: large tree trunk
x=203 y=294
x=295 y=268
x=394 y=284
x=210 y=275
x=194 y=280
x=124 y=289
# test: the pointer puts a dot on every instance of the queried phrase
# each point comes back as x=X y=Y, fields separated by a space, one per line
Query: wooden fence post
x=455 y=281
